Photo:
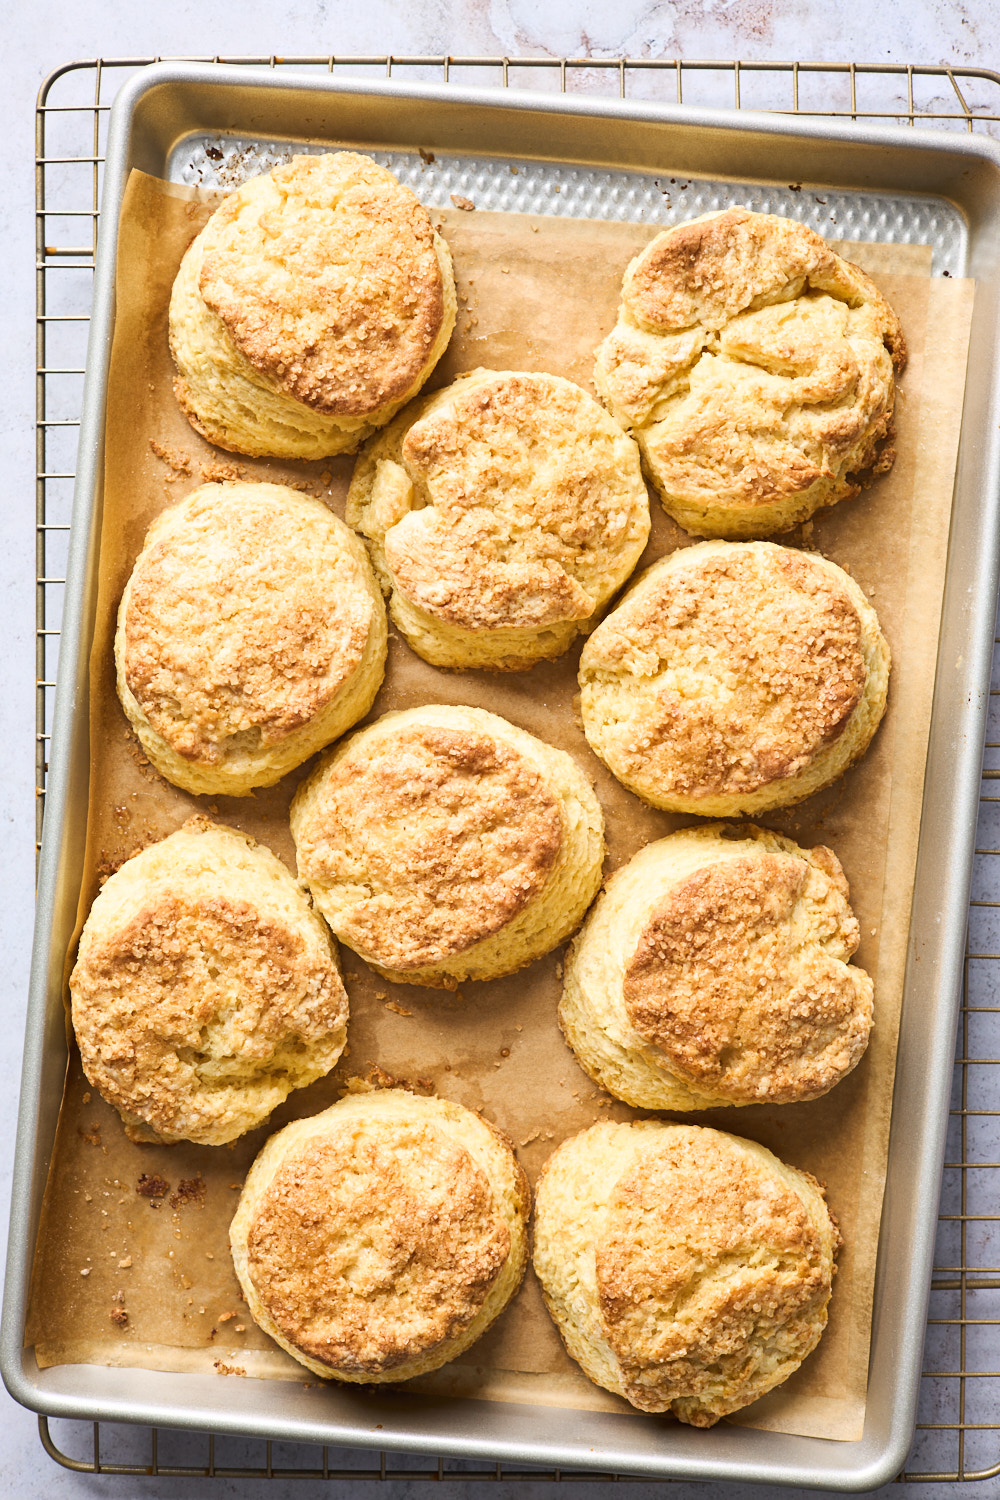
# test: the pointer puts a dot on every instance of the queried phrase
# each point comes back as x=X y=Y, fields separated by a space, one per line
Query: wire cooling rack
x=958 y=1432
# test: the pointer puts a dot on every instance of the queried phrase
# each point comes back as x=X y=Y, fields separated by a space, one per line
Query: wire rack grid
x=958 y=1433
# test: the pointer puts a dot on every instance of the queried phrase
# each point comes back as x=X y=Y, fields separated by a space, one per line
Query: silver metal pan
x=893 y=183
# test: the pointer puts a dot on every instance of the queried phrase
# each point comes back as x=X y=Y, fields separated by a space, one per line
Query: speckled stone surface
x=39 y=38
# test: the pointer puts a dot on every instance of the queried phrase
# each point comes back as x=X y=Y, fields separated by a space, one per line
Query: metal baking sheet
x=161 y=120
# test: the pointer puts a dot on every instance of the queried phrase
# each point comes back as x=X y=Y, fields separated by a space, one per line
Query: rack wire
x=958 y=1432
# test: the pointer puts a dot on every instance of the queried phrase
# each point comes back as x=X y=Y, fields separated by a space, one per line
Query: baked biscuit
x=206 y=988
x=756 y=370
x=734 y=677
x=250 y=634
x=379 y=1239
x=315 y=302
x=714 y=970
x=687 y=1270
x=501 y=514
x=444 y=844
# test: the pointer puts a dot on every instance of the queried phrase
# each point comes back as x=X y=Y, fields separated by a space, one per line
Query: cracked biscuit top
x=501 y=513
x=205 y=989
x=316 y=300
x=734 y=676
x=756 y=369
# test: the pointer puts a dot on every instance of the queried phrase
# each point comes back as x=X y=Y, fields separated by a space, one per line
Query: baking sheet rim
x=51 y=848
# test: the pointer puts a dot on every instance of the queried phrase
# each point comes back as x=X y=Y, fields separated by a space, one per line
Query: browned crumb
x=189 y=1190
x=225 y=1369
x=426 y=156
x=379 y=1078
x=466 y=204
x=140 y=759
x=178 y=463
x=400 y=1010
x=226 y=1317
x=152 y=1186
x=91 y=1136
x=216 y=473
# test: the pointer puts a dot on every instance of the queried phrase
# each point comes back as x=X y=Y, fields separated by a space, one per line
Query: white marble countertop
x=40 y=37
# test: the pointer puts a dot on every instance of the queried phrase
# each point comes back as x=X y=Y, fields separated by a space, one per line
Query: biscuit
x=687 y=1270
x=734 y=677
x=250 y=634
x=315 y=302
x=501 y=514
x=755 y=368
x=206 y=988
x=444 y=844
x=379 y=1239
x=714 y=970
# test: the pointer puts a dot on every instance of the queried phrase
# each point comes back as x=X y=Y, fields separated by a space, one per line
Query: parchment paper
x=133 y=1266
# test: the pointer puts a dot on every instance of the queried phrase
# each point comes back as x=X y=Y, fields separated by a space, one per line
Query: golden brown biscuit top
x=739 y=978
x=445 y=834
x=705 y=1260
x=706 y=271
x=376 y=1244
x=755 y=363
x=185 y=1000
x=326 y=276
x=530 y=494
x=744 y=666
x=242 y=623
